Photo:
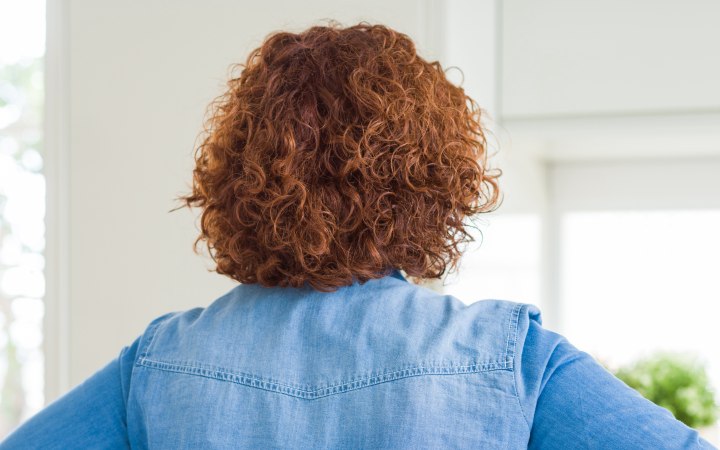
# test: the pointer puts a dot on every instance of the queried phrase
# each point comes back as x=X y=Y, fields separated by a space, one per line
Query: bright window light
x=503 y=262
x=22 y=211
x=634 y=282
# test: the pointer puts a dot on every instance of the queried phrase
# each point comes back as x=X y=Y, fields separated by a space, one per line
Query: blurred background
x=603 y=115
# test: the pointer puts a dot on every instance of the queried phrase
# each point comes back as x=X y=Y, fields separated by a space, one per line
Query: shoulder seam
x=512 y=331
x=150 y=332
x=516 y=325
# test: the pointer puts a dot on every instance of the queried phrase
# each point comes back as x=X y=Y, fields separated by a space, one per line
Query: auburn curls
x=339 y=154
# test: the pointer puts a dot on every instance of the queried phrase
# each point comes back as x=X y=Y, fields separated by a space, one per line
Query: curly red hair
x=339 y=154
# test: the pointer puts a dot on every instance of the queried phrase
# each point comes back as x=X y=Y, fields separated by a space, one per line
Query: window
x=637 y=264
x=635 y=282
x=502 y=263
x=22 y=210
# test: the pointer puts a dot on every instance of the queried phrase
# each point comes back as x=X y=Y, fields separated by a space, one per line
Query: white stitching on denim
x=514 y=372
x=258 y=382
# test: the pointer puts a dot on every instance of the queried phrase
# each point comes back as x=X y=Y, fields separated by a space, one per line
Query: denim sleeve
x=571 y=401
x=92 y=415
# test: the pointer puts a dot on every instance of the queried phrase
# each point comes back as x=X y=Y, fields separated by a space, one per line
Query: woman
x=335 y=160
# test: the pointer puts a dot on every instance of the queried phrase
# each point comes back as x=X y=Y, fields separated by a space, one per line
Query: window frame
x=57 y=174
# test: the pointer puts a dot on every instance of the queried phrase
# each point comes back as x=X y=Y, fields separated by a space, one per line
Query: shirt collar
x=396 y=274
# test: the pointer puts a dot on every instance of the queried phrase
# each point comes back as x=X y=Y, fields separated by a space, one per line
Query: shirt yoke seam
x=275 y=386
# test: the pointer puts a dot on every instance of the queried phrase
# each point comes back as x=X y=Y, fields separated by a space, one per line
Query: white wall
x=133 y=80
x=594 y=80
x=569 y=57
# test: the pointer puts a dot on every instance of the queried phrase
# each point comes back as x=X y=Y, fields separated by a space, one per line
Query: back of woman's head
x=339 y=154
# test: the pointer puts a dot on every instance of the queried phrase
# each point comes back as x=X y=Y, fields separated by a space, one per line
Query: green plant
x=677 y=383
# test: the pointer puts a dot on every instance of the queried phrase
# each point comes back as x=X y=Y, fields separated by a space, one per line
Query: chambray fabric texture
x=384 y=364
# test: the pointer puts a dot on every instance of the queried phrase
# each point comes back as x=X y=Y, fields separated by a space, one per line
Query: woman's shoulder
x=429 y=326
x=501 y=326
x=402 y=330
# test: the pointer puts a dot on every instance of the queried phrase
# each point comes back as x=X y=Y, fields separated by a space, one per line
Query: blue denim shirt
x=384 y=364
